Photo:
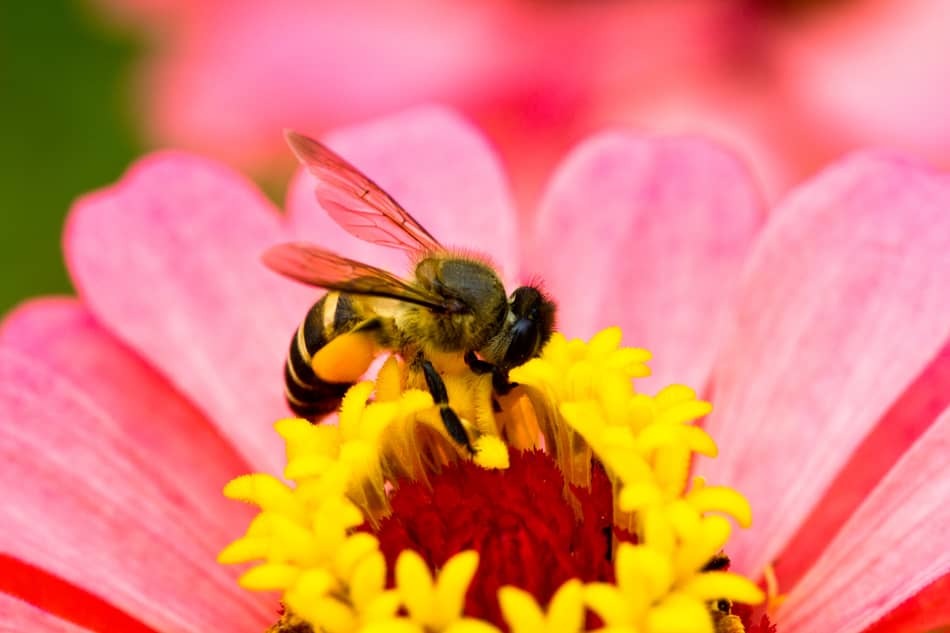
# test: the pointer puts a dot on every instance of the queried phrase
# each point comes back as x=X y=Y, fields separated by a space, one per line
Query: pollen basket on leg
x=346 y=358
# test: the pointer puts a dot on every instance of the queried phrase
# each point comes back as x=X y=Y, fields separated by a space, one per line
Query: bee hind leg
x=441 y=398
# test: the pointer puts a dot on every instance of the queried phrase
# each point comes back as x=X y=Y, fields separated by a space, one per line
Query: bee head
x=531 y=318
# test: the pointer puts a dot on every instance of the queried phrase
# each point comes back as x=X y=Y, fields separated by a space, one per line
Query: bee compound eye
x=523 y=343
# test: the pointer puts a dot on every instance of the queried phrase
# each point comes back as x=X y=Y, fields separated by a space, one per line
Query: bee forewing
x=315 y=266
x=358 y=204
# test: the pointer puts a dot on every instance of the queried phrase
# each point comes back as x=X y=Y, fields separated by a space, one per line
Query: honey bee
x=454 y=305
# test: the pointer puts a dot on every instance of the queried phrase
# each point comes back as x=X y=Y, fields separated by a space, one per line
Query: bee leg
x=500 y=382
x=441 y=397
x=499 y=376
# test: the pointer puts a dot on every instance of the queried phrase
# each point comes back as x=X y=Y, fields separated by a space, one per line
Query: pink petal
x=648 y=234
x=53 y=599
x=168 y=260
x=747 y=114
x=904 y=422
x=893 y=546
x=843 y=305
x=87 y=502
x=64 y=337
x=17 y=616
x=439 y=168
x=926 y=611
x=228 y=75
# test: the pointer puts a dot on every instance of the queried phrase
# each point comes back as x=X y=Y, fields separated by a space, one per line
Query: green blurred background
x=59 y=138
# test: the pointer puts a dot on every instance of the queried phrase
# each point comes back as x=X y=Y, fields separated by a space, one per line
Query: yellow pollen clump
x=577 y=402
x=345 y=358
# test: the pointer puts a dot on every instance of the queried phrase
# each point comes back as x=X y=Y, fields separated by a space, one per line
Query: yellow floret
x=578 y=402
x=649 y=596
x=565 y=612
x=573 y=370
x=435 y=603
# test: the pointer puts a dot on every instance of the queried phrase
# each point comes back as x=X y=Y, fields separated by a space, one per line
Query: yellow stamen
x=434 y=603
x=577 y=402
x=565 y=613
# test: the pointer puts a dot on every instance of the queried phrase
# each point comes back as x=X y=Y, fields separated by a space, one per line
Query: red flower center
x=529 y=532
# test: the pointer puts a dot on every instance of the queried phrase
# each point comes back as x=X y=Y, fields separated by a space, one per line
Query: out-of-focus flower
x=224 y=75
x=790 y=90
x=822 y=339
x=800 y=83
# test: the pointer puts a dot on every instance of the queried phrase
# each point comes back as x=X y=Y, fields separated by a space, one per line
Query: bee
x=453 y=306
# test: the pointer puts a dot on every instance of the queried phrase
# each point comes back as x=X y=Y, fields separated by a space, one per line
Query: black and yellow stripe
x=307 y=394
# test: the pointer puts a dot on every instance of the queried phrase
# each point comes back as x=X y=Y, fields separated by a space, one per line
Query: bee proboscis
x=453 y=304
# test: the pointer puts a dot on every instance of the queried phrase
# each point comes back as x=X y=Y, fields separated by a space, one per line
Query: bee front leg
x=499 y=376
x=441 y=397
x=477 y=365
x=500 y=382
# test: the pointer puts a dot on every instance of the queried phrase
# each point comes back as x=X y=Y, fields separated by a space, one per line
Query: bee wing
x=314 y=266
x=358 y=204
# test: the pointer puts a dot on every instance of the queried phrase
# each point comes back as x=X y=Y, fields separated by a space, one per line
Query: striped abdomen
x=307 y=394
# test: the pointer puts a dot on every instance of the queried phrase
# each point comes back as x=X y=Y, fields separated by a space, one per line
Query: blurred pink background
x=789 y=85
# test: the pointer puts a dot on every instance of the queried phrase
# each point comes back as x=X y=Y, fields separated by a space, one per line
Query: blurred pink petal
x=759 y=123
x=843 y=305
x=226 y=76
x=789 y=91
x=168 y=260
x=439 y=168
x=648 y=234
x=17 y=616
x=125 y=532
x=876 y=72
x=238 y=72
x=891 y=548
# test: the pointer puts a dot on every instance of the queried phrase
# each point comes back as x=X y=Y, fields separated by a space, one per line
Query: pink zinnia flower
x=822 y=339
